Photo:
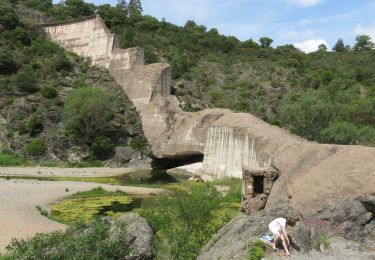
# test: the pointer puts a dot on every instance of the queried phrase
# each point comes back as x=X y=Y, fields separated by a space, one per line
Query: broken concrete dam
x=311 y=175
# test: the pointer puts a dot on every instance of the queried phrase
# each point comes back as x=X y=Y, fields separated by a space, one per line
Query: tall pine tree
x=135 y=7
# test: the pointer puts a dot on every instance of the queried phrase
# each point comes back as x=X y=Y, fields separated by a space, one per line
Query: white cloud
x=310 y=45
x=360 y=30
x=304 y=22
x=292 y=35
x=305 y=3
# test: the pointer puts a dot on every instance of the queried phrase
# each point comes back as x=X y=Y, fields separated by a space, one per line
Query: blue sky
x=304 y=23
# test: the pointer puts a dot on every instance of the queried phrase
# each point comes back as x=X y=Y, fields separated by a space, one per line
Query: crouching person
x=278 y=228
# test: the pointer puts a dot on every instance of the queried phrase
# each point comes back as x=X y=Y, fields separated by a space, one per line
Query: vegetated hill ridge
x=323 y=96
x=54 y=105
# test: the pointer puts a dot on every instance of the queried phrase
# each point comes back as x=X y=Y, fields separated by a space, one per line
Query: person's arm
x=285 y=234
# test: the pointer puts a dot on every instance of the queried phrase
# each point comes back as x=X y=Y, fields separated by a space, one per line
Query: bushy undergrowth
x=187 y=220
x=81 y=241
x=256 y=250
x=36 y=147
x=10 y=159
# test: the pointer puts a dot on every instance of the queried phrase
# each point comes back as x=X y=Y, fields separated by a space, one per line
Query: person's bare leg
x=277 y=237
x=285 y=247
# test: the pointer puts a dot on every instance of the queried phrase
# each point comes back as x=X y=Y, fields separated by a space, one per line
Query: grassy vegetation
x=187 y=220
x=256 y=250
x=81 y=241
x=87 y=205
x=10 y=159
x=183 y=222
x=323 y=240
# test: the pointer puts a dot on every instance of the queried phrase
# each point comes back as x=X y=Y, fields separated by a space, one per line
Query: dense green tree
x=122 y=5
x=322 y=47
x=26 y=80
x=265 y=42
x=8 y=17
x=339 y=46
x=88 y=113
x=8 y=64
x=101 y=148
x=363 y=42
x=135 y=7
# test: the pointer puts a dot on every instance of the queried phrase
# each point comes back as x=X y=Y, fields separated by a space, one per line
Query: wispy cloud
x=295 y=34
x=305 y=3
x=360 y=30
x=325 y=19
x=310 y=45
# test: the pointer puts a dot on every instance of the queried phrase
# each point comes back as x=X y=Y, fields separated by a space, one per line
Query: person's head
x=290 y=221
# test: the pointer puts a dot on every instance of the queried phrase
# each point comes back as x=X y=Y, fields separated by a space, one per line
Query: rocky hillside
x=344 y=230
x=54 y=105
x=323 y=96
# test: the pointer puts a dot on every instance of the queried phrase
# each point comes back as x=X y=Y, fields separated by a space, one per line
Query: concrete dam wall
x=312 y=175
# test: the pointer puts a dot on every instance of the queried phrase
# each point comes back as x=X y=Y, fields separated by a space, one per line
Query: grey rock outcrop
x=349 y=226
x=312 y=175
x=139 y=236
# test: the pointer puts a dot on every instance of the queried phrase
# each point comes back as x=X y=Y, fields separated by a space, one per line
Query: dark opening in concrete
x=258 y=184
x=172 y=162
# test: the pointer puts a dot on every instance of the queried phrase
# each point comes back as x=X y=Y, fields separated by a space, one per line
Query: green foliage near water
x=187 y=220
x=86 y=205
x=81 y=241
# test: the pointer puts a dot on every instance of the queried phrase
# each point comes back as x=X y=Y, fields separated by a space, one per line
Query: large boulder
x=139 y=236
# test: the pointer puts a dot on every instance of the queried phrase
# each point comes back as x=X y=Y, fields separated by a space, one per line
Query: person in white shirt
x=278 y=228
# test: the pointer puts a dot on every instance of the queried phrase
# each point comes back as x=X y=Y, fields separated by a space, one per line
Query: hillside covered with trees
x=54 y=105
x=325 y=96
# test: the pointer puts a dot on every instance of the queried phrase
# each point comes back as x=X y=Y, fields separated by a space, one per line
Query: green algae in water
x=86 y=205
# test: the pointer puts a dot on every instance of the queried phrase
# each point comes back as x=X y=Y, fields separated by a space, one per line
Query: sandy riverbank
x=63 y=172
x=18 y=198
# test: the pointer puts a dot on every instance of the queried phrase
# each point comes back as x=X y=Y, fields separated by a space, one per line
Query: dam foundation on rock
x=227 y=142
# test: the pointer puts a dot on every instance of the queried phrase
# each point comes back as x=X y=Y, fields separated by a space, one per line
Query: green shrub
x=256 y=250
x=87 y=164
x=81 y=241
x=8 y=64
x=102 y=148
x=323 y=240
x=187 y=220
x=49 y=92
x=35 y=124
x=8 y=17
x=26 y=80
x=10 y=159
x=88 y=113
x=138 y=143
x=36 y=147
